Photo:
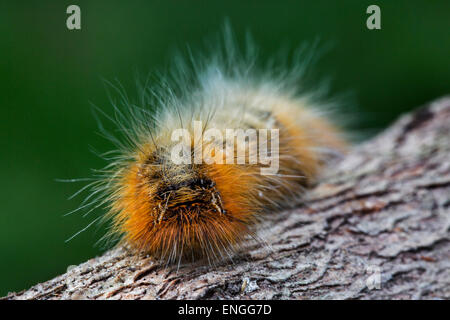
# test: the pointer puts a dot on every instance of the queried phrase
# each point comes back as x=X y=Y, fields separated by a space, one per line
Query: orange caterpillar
x=202 y=210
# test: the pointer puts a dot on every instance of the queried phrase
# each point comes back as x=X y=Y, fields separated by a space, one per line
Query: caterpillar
x=170 y=191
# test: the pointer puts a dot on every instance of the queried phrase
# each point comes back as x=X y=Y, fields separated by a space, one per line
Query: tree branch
x=376 y=227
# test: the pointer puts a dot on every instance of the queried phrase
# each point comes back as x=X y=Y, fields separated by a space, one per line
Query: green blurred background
x=49 y=74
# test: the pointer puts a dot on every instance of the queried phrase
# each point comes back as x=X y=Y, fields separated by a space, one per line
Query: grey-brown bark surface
x=376 y=227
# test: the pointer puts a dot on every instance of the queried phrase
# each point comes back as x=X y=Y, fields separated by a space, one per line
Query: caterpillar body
x=206 y=209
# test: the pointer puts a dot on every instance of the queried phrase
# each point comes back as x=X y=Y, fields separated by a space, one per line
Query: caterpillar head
x=184 y=193
x=180 y=211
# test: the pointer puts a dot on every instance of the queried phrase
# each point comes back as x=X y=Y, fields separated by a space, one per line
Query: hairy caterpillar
x=195 y=210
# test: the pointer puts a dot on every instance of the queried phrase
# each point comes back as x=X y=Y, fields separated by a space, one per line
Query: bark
x=377 y=226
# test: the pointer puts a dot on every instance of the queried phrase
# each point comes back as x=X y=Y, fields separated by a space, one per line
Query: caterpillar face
x=179 y=211
x=186 y=195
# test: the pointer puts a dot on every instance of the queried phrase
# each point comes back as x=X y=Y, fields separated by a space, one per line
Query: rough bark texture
x=376 y=227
